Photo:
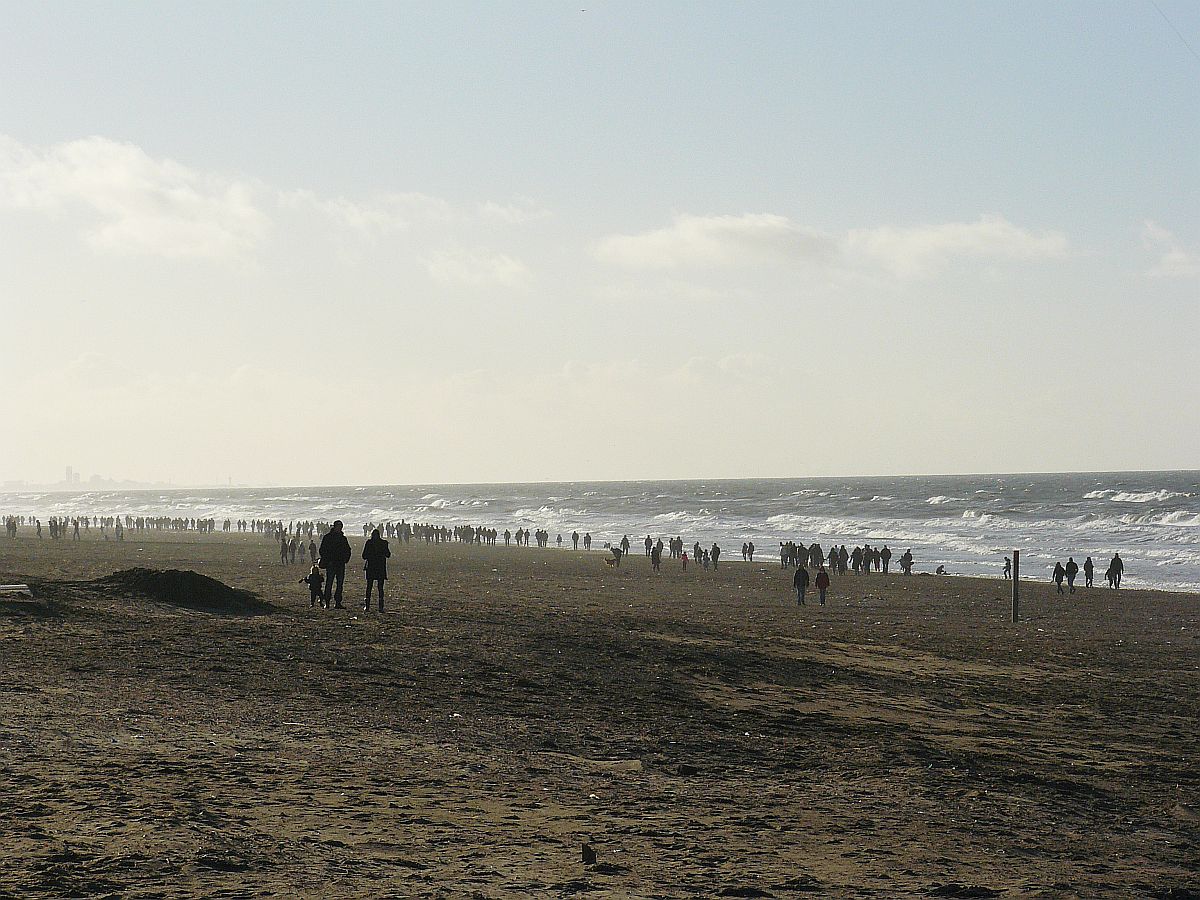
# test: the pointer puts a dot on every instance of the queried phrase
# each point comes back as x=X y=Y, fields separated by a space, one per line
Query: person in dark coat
x=335 y=554
x=822 y=583
x=800 y=583
x=1071 y=569
x=376 y=553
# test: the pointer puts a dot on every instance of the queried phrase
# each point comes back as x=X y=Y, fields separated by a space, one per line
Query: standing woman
x=376 y=553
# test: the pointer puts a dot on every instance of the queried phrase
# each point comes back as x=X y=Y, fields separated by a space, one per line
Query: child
x=315 y=580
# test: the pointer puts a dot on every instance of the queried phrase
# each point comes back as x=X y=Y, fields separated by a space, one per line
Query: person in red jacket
x=822 y=584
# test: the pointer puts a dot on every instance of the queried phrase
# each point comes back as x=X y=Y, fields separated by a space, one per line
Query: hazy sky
x=382 y=243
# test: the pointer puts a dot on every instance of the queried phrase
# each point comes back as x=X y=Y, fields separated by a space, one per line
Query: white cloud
x=916 y=250
x=123 y=200
x=476 y=269
x=717 y=241
x=1173 y=260
x=131 y=202
x=518 y=212
x=375 y=216
x=746 y=240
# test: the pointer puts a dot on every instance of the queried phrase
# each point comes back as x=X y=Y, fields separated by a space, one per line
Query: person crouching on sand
x=315 y=581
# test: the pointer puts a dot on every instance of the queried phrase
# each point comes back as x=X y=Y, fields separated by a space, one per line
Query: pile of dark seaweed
x=181 y=587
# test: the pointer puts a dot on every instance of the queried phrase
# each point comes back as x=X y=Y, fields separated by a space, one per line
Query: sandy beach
x=700 y=732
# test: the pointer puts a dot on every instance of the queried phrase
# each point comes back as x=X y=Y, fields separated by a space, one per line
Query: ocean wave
x=941 y=498
x=1158 y=496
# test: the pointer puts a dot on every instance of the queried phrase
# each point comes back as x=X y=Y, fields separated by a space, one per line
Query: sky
x=367 y=243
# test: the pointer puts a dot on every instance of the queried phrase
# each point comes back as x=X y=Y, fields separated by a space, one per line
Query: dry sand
x=704 y=735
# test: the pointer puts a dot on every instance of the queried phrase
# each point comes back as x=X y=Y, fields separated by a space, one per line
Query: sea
x=966 y=523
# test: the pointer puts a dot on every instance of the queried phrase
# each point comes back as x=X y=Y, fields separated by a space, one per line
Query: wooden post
x=1016 y=577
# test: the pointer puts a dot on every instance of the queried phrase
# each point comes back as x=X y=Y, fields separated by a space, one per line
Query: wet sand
x=704 y=735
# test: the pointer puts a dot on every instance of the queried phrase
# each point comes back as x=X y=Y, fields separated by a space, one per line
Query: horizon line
x=61 y=487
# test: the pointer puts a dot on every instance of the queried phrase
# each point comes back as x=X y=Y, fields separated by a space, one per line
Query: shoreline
x=269 y=555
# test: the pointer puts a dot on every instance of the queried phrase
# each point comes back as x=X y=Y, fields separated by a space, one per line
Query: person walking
x=1089 y=570
x=822 y=584
x=1058 y=575
x=335 y=553
x=1117 y=567
x=1071 y=570
x=800 y=583
x=376 y=553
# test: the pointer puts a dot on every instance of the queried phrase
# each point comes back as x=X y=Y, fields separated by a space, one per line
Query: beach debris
x=22 y=589
x=588 y=854
x=687 y=771
x=954 y=889
x=180 y=588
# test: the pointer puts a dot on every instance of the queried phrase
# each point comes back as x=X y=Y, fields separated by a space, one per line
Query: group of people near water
x=1070 y=571
x=297 y=542
x=860 y=560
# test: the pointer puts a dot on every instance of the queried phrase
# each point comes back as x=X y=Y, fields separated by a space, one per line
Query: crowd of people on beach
x=298 y=543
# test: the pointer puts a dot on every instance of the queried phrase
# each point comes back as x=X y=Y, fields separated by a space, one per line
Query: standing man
x=376 y=553
x=1089 y=570
x=1117 y=567
x=335 y=553
x=1071 y=569
x=822 y=583
x=886 y=555
x=800 y=582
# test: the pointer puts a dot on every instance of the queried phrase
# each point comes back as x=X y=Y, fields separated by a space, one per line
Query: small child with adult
x=315 y=580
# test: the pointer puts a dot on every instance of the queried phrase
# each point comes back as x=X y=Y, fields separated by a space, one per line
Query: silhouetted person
x=1089 y=569
x=617 y=553
x=575 y=540
x=822 y=583
x=335 y=554
x=1071 y=570
x=800 y=583
x=885 y=555
x=376 y=553
x=716 y=555
x=624 y=545
x=649 y=544
x=1117 y=567
x=1007 y=567
x=1059 y=574
x=314 y=580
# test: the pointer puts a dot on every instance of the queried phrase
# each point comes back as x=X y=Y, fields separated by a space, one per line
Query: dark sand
x=703 y=734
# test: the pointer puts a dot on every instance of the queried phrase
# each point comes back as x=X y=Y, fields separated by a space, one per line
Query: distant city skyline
x=518 y=242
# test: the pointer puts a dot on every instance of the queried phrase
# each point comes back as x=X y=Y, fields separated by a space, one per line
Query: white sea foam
x=1158 y=496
